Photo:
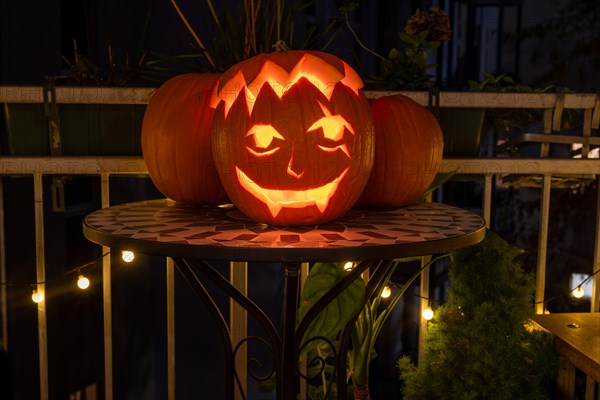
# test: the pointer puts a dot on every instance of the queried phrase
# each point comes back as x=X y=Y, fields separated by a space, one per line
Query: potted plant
x=366 y=312
x=407 y=69
x=78 y=129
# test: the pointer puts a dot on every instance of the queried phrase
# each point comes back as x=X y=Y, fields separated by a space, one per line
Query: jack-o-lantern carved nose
x=294 y=169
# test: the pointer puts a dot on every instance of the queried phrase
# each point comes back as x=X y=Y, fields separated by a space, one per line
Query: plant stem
x=367 y=329
x=383 y=316
x=255 y=8
x=361 y=392
x=247 y=29
x=360 y=43
x=323 y=376
x=278 y=17
x=194 y=35
x=211 y=7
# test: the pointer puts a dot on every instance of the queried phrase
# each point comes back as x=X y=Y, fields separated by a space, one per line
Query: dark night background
x=33 y=33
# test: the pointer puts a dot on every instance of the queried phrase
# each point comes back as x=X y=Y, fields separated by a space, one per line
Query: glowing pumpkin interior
x=293 y=142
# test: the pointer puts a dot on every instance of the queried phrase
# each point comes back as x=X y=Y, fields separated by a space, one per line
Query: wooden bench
x=577 y=341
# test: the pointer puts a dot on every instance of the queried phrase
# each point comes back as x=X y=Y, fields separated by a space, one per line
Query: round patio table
x=193 y=236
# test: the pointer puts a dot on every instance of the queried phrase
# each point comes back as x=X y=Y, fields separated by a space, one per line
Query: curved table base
x=285 y=343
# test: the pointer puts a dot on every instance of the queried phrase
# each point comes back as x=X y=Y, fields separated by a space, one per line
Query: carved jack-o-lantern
x=293 y=137
x=176 y=140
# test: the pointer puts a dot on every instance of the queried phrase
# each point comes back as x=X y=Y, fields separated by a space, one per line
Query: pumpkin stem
x=280 y=45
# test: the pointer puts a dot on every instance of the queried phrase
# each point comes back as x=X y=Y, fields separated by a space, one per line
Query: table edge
x=285 y=254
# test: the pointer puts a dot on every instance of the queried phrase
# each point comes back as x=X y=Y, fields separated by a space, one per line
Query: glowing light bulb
x=127 y=256
x=348 y=266
x=37 y=297
x=427 y=314
x=386 y=292
x=578 y=292
x=83 y=282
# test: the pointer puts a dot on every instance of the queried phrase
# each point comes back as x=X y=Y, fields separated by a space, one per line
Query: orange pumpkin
x=176 y=140
x=293 y=137
x=408 y=152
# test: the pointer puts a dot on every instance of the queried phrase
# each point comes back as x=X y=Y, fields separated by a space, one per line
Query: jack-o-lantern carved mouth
x=276 y=199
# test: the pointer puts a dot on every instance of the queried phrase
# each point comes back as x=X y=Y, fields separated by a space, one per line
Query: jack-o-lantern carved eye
x=333 y=127
x=262 y=140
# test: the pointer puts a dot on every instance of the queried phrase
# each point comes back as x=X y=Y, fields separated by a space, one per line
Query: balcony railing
x=542 y=170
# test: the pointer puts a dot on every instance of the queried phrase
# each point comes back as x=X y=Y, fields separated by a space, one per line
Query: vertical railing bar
x=3 y=289
x=304 y=268
x=590 y=387
x=540 y=285
x=425 y=300
x=424 y=303
x=487 y=200
x=595 y=301
x=238 y=324
x=587 y=132
x=41 y=285
x=170 y=329
x=545 y=147
x=107 y=297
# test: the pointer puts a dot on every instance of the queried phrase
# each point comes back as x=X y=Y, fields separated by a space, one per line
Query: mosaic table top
x=163 y=227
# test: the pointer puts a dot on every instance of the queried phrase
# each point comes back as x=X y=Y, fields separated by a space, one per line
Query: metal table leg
x=284 y=344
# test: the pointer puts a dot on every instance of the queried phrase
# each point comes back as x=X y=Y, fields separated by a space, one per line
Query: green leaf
x=488 y=77
x=407 y=38
x=475 y=85
x=438 y=181
x=328 y=323
x=421 y=36
x=268 y=385
x=508 y=79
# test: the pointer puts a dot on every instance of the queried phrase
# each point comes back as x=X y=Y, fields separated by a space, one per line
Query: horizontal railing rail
x=134 y=165
x=447 y=99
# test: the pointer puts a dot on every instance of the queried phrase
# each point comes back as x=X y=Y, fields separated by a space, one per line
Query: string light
x=386 y=292
x=127 y=256
x=83 y=282
x=578 y=292
x=427 y=314
x=37 y=296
